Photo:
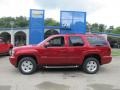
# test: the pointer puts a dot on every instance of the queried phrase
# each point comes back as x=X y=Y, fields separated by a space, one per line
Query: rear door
x=75 y=50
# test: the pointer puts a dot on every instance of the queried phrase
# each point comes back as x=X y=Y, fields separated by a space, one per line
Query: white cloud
x=106 y=12
x=53 y=7
x=53 y=13
x=16 y=7
x=83 y=5
x=109 y=14
x=101 y=11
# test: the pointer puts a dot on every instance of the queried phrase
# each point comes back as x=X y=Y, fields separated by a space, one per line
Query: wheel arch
x=22 y=56
x=97 y=56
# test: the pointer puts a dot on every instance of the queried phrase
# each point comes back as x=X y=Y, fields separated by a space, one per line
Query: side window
x=2 y=41
x=95 y=40
x=57 y=41
x=76 y=41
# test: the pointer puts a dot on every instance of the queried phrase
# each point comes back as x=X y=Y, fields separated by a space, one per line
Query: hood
x=25 y=47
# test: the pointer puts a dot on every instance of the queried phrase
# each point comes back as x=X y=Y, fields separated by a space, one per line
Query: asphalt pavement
x=108 y=78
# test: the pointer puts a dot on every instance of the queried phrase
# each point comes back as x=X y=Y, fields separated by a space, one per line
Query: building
x=20 y=36
x=70 y=22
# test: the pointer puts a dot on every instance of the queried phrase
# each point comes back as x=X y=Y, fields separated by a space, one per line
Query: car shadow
x=70 y=71
x=63 y=72
x=58 y=70
x=2 y=56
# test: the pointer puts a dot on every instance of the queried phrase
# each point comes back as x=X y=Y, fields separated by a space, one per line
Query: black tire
x=89 y=68
x=31 y=62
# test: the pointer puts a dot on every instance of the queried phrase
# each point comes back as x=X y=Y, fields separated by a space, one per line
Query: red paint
x=63 y=55
x=4 y=46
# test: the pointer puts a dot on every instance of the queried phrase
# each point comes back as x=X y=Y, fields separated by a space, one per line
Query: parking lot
x=108 y=78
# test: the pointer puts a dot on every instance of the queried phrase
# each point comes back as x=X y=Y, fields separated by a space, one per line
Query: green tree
x=116 y=30
x=102 y=28
x=51 y=22
x=21 y=22
x=95 y=27
x=110 y=29
x=18 y=22
x=5 y=22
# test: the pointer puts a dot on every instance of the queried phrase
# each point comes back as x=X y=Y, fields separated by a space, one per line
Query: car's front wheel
x=27 y=65
x=91 y=65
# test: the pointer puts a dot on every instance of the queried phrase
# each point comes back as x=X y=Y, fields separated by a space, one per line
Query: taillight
x=109 y=51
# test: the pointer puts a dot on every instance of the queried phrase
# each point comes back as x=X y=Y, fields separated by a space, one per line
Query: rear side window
x=75 y=41
x=96 y=40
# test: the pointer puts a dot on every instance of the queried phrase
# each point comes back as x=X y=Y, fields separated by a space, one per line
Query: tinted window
x=1 y=41
x=75 y=41
x=57 y=41
x=95 y=40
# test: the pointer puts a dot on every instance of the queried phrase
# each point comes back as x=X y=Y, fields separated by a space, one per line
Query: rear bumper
x=106 y=59
x=12 y=60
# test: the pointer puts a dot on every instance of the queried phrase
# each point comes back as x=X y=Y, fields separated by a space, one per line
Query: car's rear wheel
x=91 y=65
x=27 y=65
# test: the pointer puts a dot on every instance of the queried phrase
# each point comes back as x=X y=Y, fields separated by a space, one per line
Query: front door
x=55 y=53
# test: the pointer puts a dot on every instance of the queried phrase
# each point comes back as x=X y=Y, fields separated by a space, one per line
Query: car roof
x=76 y=35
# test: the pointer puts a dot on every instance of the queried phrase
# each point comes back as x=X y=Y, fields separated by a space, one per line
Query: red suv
x=87 y=51
x=5 y=48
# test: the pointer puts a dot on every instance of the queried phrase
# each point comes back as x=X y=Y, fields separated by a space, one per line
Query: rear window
x=97 y=40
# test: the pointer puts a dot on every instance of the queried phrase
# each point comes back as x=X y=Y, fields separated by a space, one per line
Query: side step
x=61 y=66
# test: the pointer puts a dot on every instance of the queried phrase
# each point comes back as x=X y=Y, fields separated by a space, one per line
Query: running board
x=61 y=66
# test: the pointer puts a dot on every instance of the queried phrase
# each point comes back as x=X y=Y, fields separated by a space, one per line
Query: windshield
x=44 y=41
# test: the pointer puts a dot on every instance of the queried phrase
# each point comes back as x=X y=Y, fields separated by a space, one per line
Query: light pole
x=12 y=34
x=89 y=29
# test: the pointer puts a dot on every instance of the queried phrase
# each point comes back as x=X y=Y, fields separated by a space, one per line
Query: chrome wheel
x=27 y=66
x=91 y=66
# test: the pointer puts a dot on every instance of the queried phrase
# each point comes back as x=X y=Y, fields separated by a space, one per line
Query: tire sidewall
x=84 y=66
x=29 y=59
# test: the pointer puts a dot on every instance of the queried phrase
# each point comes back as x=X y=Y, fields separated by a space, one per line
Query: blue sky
x=100 y=11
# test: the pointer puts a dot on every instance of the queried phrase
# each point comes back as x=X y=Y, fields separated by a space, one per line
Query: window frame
x=73 y=45
x=57 y=37
x=101 y=40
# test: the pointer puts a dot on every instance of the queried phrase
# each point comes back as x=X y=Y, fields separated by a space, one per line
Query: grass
x=115 y=52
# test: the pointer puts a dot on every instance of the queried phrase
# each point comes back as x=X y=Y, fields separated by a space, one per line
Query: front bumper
x=106 y=59
x=13 y=60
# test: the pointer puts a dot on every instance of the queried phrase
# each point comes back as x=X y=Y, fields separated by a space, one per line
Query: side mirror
x=47 y=44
